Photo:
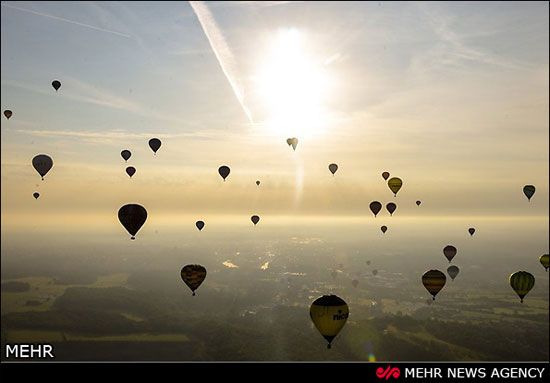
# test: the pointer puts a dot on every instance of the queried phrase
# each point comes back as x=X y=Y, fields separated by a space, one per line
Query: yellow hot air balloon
x=522 y=282
x=544 y=261
x=433 y=281
x=329 y=314
x=395 y=184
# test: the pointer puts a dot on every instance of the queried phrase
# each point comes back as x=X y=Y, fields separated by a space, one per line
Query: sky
x=450 y=97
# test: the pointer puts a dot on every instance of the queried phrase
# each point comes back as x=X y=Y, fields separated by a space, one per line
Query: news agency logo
x=29 y=351
x=389 y=372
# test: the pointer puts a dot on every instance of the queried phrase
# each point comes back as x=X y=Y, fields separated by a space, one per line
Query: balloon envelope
x=224 y=171
x=529 y=190
x=200 y=225
x=375 y=207
x=385 y=175
x=384 y=228
x=154 y=144
x=293 y=142
x=42 y=163
x=130 y=170
x=132 y=217
x=193 y=276
x=418 y=203
x=258 y=183
x=329 y=314
x=126 y=154
x=452 y=271
x=449 y=251
x=433 y=281
x=333 y=168
x=35 y=195
x=395 y=184
x=255 y=219
x=471 y=231
x=374 y=272
x=56 y=84
x=391 y=207
x=8 y=113
x=289 y=141
x=522 y=282
x=544 y=260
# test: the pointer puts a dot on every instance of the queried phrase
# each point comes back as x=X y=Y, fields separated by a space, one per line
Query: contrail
x=220 y=48
x=68 y=21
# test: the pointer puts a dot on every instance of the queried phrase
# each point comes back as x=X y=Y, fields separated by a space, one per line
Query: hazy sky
x=450 y=97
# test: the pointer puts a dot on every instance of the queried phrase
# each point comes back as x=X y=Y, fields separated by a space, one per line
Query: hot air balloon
x=130 y=170
x=395 y=184
x=329 y=314
x=334 y=274
x=418 y=203
x=35 y=195
x=199 y=224
x=433 y=281
x=544 y=261
x=471 y=231
x=449 y=251
x=385 y=175
x=8 y=113
x=355 y=282
x=258 y=183
x=384 y=228
x=374 y=272
x=292 y=141
x=255 y=219
x=368 y=263
x=529 y=190
x=522 y=282
x=154 y=144
x=126 y=154
x=224 y=171
x=452 y=271
x=42 y=163
x=193 y=276
x=391 y=207
x=56 y=84
x=333 y=168
x=375 y=207
x=132 y=217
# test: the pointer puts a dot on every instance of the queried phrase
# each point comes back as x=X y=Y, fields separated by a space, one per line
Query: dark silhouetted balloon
x=384 y=229
x=193 y=276
x=200 y=225
x=289 y=141
x=126 y=154
x=374 y=272
x=522 y=282
x=130 y=170
x=258 y=183
x=132 y=217
x=529 y=190
x=471 y=231
x=8 y=113
x=154 y=144
x=449 y=251
x=368 y=263
x=56 y=84
x=391 y=207
x=42 y=163
x=35 y=195
x=433 y=281
x=329 y=314
x=418 y=203
x=355 y=282
x=385 y=175
x=333 y=168
x=255 y=219
x=375 y=207
x=224 y=171
x=395 y=184
x=544 y=260
x=453 y=271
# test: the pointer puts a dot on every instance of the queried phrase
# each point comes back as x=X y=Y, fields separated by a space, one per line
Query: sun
x=293 y=87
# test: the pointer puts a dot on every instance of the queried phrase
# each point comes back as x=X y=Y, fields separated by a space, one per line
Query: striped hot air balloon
x=544 y=260
x=193 y=276
x=522 y=282
x=433 y=281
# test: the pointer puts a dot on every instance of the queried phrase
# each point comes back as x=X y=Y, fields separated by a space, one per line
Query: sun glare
x=293 y=86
